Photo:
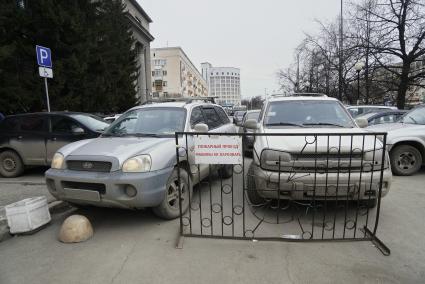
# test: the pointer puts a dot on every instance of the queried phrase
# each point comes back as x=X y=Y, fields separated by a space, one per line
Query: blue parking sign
x=44 y=56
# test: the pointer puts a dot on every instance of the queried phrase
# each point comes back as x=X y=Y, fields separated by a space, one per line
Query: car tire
x=11 y=164
x=369 y=203
x=253 y=197
x=225 y=171
x=405 y=160
x=169 y=207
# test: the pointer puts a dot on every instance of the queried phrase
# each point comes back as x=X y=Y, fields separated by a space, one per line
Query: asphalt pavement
x=137 y=247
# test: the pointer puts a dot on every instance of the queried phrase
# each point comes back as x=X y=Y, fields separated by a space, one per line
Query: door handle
x=20 y=137
x=53 y=139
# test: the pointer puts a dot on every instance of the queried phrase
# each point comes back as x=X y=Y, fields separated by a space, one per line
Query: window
x=222 y=114
x=164 y=72
x=62 y=124
x=164 y=83
x=153 y=73
x=10 y=124
x=196 y=117
x=212 y=118
x=32 y=123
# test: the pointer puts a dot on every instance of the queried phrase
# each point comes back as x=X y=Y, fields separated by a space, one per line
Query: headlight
x=58 y=161
x=270 y=159
x=138 y=164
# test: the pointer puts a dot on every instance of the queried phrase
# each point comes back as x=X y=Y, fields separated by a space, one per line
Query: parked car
x=248 y=140
x=318 y=114
x=133 y=164
x=32 y=139
x=406 y=142
x=362 y=109
x=387 y=116
x=238 y=117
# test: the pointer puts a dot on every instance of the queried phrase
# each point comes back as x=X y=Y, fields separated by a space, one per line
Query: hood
x=393 y=126
x=307 y=144
x=120 y=148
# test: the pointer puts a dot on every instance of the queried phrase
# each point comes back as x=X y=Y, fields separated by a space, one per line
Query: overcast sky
x=257 y=36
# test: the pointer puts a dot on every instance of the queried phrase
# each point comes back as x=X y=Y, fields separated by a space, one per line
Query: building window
x=164 y=72
x=164 y=83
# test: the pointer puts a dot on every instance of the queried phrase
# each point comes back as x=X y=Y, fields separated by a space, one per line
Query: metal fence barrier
x=322 y=187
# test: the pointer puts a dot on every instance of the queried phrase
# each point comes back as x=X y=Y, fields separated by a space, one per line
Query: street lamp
x=359 y=67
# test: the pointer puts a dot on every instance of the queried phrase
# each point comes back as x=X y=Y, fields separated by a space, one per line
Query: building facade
x=224 y=83
x=174 y=75
x=140 y=21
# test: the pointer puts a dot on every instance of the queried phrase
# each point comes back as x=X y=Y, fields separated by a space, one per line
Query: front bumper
x=108 y=189
x=320 y=186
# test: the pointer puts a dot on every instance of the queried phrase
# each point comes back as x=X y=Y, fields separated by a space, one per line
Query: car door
x=30 y=139
x=62 y=132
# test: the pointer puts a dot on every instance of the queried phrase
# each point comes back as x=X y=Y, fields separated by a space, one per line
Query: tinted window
x=196 y=116
x=10 y=124
x=212 y=118
x=61 y=124
x=222 y=115
x=32 y=123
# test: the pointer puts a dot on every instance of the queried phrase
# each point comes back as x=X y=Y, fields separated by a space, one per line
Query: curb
x=23 y=182
x=54 y=207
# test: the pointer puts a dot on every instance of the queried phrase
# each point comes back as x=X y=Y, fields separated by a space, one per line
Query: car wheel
x=169 y=207
x=226 y=171
x=253 y=197
x=11 y=164
x=405 y=160
x=369 y=203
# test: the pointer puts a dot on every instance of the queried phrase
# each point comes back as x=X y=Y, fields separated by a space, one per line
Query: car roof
x=177 y=104
x=47 y=113
x=301 y=98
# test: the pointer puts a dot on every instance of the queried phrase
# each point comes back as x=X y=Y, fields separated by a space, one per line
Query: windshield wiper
x=284 y=124
x=324 y=123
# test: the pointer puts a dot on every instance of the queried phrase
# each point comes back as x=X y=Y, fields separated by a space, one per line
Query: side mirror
x=201 y=127
x=251 y=124
x=361 y=122
x=78 y=131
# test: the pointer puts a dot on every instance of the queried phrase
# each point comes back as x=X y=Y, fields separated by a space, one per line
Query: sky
x=259 y=37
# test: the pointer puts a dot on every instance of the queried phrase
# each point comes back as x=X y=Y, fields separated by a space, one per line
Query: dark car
x=388 y=116
x=238 y=117
x=32 y=139
x=248 y=140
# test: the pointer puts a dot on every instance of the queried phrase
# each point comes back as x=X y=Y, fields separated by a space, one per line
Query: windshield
x=149 y=121
x=93 y=122
x=308 y=113
x=416 y=116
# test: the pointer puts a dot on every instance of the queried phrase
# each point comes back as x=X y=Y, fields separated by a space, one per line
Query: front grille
x=325 y=156
x=99 y=187
x=89 y=166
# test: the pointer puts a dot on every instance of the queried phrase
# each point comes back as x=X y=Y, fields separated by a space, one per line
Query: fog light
x=130 y=191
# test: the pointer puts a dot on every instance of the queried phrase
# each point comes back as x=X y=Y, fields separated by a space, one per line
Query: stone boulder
x=75 y=229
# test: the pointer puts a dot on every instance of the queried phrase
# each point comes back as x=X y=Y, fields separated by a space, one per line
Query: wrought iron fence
x=291 y=187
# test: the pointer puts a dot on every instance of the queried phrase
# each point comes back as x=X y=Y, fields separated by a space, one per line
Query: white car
x=296 y=165
x=362 y=109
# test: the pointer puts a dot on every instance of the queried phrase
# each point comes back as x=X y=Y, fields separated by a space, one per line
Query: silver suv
x=133 y=164
x=297 y=165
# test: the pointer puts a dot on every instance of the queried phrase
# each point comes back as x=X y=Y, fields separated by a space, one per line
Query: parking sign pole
x=47 y=94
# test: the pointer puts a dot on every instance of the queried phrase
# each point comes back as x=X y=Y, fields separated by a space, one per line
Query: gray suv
x=133 y=164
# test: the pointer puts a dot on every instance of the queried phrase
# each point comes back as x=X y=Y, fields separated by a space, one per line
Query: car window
x=308 y=113
x=10 y=124
x=212 y=118
x=416 y=116
x=196 y=117
x=252 y=115
x=33 y=123
x=353 y=111
x=62 y=124
x=149 y=121
x=93 y=122
x=222 y=115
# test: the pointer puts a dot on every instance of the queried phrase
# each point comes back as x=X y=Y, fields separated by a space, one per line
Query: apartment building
x=224 y=83
x=174 y=75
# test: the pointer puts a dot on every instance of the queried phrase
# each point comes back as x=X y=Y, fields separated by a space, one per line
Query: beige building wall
x=174 y=75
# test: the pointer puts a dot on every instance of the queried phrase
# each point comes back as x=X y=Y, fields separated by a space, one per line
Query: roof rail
x=187 y=100
x=309 y=94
